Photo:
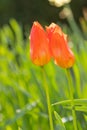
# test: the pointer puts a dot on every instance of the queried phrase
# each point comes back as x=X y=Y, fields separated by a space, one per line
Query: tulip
x=39 y=45
x=60 y=51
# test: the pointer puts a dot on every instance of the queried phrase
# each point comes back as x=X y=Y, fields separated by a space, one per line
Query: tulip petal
x=60 y=50
x=39 y=45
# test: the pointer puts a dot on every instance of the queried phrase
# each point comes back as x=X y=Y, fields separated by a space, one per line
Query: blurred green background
x=23 y=103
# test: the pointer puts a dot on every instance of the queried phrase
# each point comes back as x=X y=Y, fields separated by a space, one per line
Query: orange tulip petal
x=39 y=45
x=60 y=51
x=51 y=28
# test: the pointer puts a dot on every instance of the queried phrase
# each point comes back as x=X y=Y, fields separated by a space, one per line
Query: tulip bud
x=60 y=51
x=39 y=45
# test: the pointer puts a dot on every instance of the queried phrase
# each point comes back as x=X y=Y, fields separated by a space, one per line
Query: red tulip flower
x=39 y=45
x=59 y=48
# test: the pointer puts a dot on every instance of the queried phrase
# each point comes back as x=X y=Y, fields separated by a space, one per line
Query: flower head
x=60 y=50
x=52 y=43
x=39 y=45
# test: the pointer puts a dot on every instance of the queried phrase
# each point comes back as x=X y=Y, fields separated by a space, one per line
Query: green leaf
x=80 y=102
x=60 y=125
x=77 y=108
x=68 y=102
x=81 y=108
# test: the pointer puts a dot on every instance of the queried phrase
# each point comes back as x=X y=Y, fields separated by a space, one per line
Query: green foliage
x=23 y=103
x=60 y=125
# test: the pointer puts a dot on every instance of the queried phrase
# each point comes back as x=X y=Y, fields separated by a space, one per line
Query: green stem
x=48 y=99
x=72 y=98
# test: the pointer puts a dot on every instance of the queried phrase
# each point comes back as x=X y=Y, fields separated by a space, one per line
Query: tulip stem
x=48 y=99
x=72 y=98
